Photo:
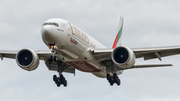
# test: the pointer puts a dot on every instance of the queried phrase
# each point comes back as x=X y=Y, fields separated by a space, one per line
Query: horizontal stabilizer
x=151 y=65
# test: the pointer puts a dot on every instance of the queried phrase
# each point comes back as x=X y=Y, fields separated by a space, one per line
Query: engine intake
x=27 y=59
x=123 y=57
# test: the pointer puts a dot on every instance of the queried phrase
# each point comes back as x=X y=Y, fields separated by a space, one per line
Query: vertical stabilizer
x=117 y=41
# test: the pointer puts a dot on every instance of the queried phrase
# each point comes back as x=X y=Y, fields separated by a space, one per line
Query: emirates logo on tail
x=117 y=41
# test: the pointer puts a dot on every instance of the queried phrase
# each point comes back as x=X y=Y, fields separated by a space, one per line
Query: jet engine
x=123 y=57
x=27 y=59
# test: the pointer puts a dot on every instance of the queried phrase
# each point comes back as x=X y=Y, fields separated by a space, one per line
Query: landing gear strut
x=60 y=80
x=113 y=79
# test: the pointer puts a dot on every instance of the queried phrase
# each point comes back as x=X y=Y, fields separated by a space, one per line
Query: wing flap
x=150 y=65
x=156 y=52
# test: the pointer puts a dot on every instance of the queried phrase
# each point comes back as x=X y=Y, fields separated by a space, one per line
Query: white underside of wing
x=151 y=65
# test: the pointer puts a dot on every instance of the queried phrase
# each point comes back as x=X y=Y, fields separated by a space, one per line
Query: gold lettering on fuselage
x=81 y=36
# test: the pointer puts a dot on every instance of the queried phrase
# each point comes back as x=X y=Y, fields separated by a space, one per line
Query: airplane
x=72 y=49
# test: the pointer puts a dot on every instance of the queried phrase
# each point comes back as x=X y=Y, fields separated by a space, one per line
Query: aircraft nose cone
x=46 y=32
x=47 y=35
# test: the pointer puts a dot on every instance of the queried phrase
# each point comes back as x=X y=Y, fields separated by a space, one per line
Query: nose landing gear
x=61 y=66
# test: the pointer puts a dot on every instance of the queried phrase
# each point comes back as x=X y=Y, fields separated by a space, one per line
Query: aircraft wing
x=103 y=55
x=156 y=52
x=12 y=54
x=8 y=54
x=42 y=54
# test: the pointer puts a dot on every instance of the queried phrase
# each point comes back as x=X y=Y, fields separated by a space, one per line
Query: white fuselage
x=73 y=45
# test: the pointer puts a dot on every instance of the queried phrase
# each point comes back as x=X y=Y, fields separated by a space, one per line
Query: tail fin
x=117 y=41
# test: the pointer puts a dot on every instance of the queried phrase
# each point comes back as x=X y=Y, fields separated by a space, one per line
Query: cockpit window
x=55 y=24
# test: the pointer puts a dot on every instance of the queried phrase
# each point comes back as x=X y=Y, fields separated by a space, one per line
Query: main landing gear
x=112 y=73
x=61 y=66
x=60 y=80
x=113 y=79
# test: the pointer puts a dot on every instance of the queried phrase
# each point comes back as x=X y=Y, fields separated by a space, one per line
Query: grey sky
x=146 y=24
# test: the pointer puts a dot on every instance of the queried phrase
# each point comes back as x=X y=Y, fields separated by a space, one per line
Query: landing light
x=52 y=47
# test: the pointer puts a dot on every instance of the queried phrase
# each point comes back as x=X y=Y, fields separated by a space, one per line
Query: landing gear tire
x=110 y=79
x=58 y=84
x=118 y=82
x=60 y=80
x=113 y=79
x=65 y=83
x=111 y=82
x=54 y=78
x=108 y=76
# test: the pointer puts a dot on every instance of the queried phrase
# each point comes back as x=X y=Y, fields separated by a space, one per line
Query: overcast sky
x=147 y=23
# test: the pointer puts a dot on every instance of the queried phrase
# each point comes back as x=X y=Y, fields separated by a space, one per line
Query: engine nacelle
x=123 y=57
x=27 y=59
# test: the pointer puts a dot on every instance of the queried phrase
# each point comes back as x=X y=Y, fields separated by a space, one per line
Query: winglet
x=117 y=41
